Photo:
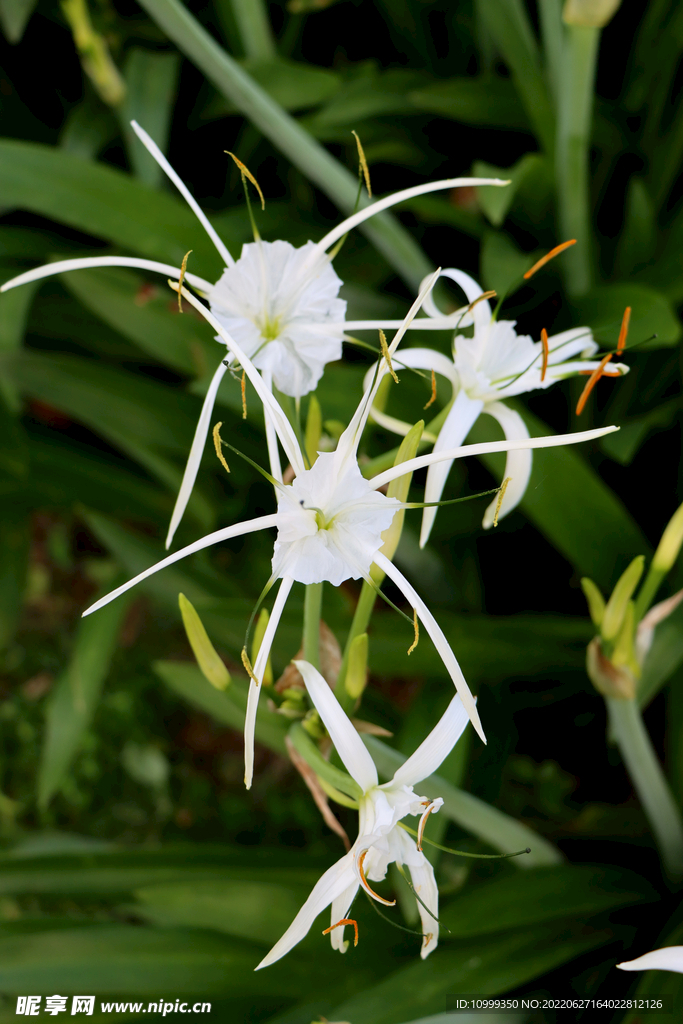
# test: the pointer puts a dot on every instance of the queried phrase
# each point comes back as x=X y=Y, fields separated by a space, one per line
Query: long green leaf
x=150 y=90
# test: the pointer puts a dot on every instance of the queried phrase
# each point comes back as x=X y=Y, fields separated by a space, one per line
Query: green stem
x=550 y=12
x=254 y=27
x=652 y=583
x=312 y=604
x=648 y=781
x=313 y=160
x=575 y=103
x=359 y=625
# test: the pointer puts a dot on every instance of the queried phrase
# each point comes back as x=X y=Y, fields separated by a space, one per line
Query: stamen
x=363 y=168
x=345 y=920
x=480 y=298
x=501 y=495
x=183 y=268
x=621 y=344
x=246 y=173
x=423 y=823
x=417 y=632
x=247 y=665
x=595 y=376
x=218 y=443
x=385 y=352
x=549 y=256
x=433 y=398
x=546 y=352
x=243 y=385
x=364 y=883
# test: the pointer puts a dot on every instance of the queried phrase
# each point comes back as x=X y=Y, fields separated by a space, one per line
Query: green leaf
x=75 y=696
x=292 y=84
x=502 y=264
x=103 y=202
x=652 y=313
x=15 y=541
x=481 y=101
x=88 y=128
x=369 y=94
x=14 y=16
x=638 y=237
x=496 y=202
x=624 y=444
x=523 y=901
x=481 y=819
x=151 y=79
x=304 y=745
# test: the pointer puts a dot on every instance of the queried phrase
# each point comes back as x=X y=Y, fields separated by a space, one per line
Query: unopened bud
x=621 y=595
x=589 y=13
x=209 y=662
x=670 y=544
x=596 y=602
x=357 y=671
x=608 y=679
x=624 y=653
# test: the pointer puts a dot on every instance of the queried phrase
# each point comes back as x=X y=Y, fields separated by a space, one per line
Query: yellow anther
x=423 y=823
x=417 y=632
x=433 y=396
x=183 y=268
x=246 y=173
x=385 y=352
x=218 y=445
x=363 y=168
x=247 y=665
x=501 y=495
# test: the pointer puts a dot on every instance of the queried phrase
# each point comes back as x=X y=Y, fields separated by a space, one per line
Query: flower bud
x=589 y=13
x=209 y=662
x=608 y=679
x=357 y=672
x=596 y=602
x=621 y=595
x=670 y=544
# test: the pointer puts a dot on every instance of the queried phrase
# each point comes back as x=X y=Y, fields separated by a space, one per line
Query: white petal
x=335 y=881
x=271 y=437
x=419 y=359
x=464 y=412
x=87 y=262
x=238 y=530
x=398 y=197
x=340 y=910
x=438 y=638
x=270 y=406
x=347 y=742
x=554 y=441
x=156 y=153
x=424 y=883
x=436 y=748
x=196 y=452
x=517 y=464
x=480 y=315
x=259 y=669
x=439 y=322
x=670 y=958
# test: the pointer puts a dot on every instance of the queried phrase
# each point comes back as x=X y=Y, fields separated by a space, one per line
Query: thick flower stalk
x=280 y=304
x=381 y=839
x=330 y=520
x=494 y=364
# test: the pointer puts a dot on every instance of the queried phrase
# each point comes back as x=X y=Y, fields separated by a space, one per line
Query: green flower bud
x=596 y=602
x=621 y=595
x=589 y=13
x=670 y=544
x=209 y=662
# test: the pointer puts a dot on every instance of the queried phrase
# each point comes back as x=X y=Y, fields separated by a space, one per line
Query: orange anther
x=621 y=344
x=546 y=352
x=549 y=256
x=364 y=883
x=344 y=921
x=595 y=376
x=421 y=827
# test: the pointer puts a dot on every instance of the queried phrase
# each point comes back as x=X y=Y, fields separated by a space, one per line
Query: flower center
x=270 y=329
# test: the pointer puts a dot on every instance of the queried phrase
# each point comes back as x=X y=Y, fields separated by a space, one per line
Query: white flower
x=670 y=958
x=494 y=364
x=279 y=303
x=381 y=841
x=330 y=520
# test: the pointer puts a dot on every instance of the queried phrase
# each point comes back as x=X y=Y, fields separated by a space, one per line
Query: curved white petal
x=238 y=530
x=347 y=742
x=271 y=436
x=438 y=322
x=419 y=359
x=259 y=669
x=340 y=910
x=398 y=197
x=436 y=748
x=156 y=153
x=670 y=958
x=196 y=452
x=87 y=262
x=336 y=880
x=517 y=463
x=438 y=638
x=554 y=441
x=270 y=406
x=480 y=315
x=425 y=886
x=458 y=423
x=575 y=341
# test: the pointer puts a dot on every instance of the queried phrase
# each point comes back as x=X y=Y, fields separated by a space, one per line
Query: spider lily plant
x=330 y=520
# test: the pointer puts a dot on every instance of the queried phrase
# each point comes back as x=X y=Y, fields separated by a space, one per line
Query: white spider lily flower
x=279 y=303
x=496 y=363
x=381 y=841
x=330 y=519
x=669 y=958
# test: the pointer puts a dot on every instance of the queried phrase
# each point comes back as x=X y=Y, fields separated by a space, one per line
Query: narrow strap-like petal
x=88 y=262
x=480 y=315
x=336 y=880
x=436 y=748
x=438 y=638
x=340 y=910
x=156 y=153
x=555 y=441
x=425 y=886
x=259 y=669
x=238 y=530
x=196 y=452
x=271 y=435
x=517 y=464
x=424 y=323
x=670 y=958
x=458 y=423
x=347 y=742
